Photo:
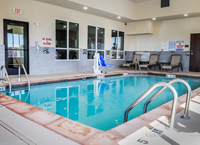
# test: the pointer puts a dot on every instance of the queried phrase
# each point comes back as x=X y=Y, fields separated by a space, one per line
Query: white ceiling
x=78 y=7
x=138 y=1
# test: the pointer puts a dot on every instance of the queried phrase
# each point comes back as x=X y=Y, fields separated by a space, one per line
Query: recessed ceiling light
x=119 y=17
x=85 y=8
x=64 y=26
x=154 y=19
x=185 y=15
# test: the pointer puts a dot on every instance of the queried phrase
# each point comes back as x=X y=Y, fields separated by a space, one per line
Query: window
x=117 y=50
x=67 y=40
x=96 y=41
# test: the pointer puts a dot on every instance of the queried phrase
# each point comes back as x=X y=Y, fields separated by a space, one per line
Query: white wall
x=6 y=12
x=152 y=8
x=46 y=19
x=45 y=14
x=170 y=30
x=141 y=27
x=123 y=8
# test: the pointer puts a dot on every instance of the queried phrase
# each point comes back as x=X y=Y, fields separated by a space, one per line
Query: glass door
x=16 y=46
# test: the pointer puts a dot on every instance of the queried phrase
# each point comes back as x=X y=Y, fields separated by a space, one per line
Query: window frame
x=96 y=39
x=67 y=41
x=117 y=45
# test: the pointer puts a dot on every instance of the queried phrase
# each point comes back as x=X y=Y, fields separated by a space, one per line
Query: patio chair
x=136 y=60
x=103 y=64
x=152 y=62
x=175 y=62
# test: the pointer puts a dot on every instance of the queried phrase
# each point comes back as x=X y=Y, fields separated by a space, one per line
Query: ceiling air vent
x=165 y=3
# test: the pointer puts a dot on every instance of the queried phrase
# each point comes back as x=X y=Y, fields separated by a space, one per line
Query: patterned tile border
x=84 y=134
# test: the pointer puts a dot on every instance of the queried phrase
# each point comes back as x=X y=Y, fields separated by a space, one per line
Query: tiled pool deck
x=81 y=133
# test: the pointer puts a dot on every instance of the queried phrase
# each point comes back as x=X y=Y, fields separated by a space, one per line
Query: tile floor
x=21 y=131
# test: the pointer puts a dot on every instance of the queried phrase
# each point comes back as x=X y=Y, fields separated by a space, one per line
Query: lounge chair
x=103 y=64
x=136 y=61
x=175 y=62
x=152 y=62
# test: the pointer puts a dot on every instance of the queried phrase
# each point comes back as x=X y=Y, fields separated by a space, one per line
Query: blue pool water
x=99 y=103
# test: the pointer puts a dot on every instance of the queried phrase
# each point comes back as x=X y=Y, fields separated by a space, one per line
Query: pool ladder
x=3 y=67
x=19 y=73
x=175 y=100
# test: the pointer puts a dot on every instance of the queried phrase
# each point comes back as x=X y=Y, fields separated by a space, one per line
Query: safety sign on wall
x=36 y=43
x=172 y=46
x=17 y=11
x=179 y=45
x=46 y=41
x=165 y=45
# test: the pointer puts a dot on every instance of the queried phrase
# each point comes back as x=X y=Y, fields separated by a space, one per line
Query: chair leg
x=105 y=70
x=135 y=66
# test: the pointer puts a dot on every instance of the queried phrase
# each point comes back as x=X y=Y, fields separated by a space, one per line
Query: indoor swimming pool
x=99 y=103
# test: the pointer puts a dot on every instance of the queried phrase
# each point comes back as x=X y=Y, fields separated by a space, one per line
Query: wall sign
x=17 y=11
x=46 y=41
x=107 y=52
x=36 y=43
x=179 y=45
x=165 y=45
x=172 y=46
x=45 y=50
x=84 y=51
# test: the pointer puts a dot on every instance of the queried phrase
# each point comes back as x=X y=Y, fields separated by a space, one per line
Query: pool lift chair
x=103 y=64
x=175 y=100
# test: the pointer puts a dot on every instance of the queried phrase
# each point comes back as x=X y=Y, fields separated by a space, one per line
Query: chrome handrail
x=3 y=67
x=26 y=76
x=174 y=106
x=185 y=116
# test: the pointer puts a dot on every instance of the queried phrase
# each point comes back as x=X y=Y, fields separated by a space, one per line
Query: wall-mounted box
x=139 y=28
